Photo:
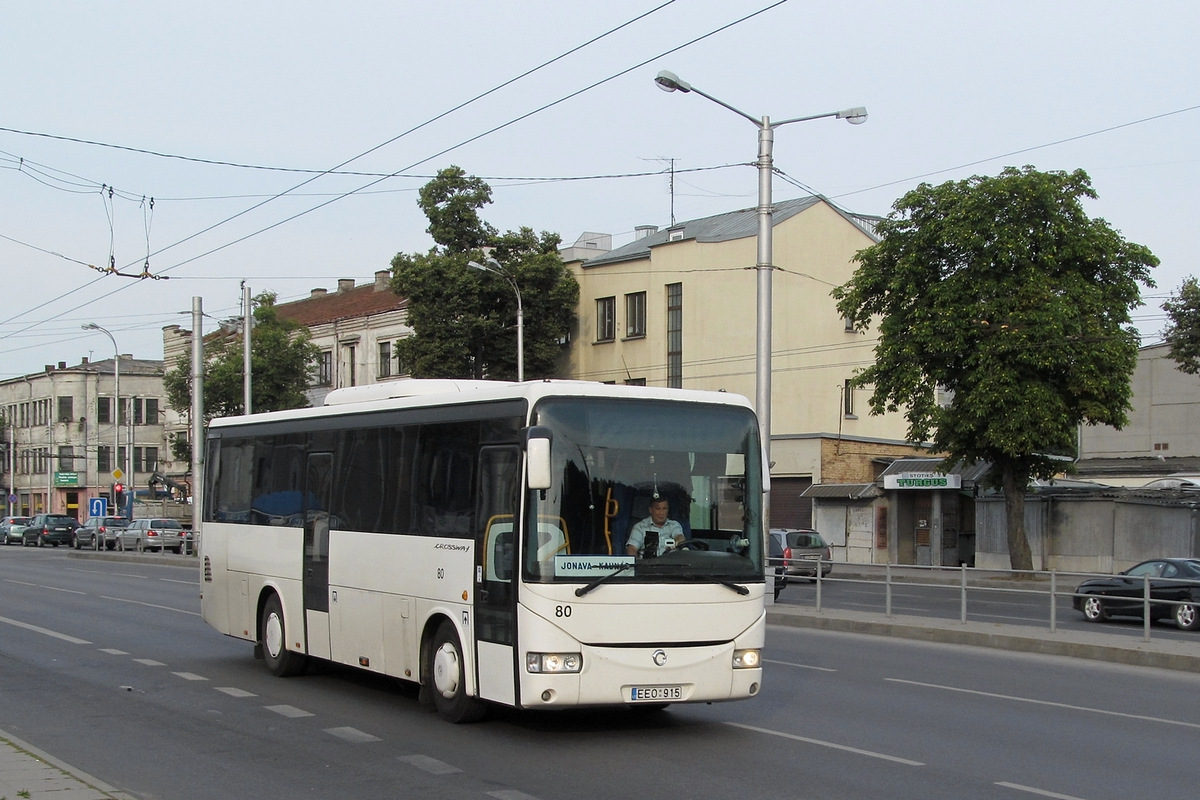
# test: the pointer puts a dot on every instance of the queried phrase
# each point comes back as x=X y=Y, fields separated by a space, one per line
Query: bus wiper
x=737 y=587
x=582 y=590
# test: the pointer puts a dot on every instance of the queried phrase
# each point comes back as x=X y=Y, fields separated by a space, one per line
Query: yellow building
x=677 y=307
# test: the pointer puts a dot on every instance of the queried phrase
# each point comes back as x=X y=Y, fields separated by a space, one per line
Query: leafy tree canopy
x=1183 y=327
x=1004 y=292
x=464 y=319
x=281 y=361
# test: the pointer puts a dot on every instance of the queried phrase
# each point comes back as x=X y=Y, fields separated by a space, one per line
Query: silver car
x=155 y=535
x=11 y=529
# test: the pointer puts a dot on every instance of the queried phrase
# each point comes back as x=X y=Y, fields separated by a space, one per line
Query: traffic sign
x=98 y=507
x=117 y=474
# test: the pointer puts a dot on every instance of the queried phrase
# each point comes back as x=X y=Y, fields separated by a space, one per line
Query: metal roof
x=845 y=491
x=740 y=224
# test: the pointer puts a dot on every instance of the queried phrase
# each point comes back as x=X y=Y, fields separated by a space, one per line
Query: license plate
x=654 y=694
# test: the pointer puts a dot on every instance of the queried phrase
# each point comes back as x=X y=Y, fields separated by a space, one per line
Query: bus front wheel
x=273 y=638
x=447 y=673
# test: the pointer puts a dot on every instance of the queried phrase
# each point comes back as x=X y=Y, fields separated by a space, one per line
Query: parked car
x=1173 y=579
x=11 y=527
x=777 y=562
x=52 y=529
x=802 y=549
x=151 y=534
x=85 y=534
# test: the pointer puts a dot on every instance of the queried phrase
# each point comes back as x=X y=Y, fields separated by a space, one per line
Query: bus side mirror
x=537 y=459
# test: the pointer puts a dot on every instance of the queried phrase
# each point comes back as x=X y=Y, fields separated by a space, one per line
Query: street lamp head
x=670 y=82
x=855 y=116
x=492 y=265
x=90 y=326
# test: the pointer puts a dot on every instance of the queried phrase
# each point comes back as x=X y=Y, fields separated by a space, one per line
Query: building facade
x=1162 y=436
x=677 y=307
x=355 y=327
x=68 y=441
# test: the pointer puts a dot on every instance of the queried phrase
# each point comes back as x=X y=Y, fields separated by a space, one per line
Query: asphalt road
x=107 y=665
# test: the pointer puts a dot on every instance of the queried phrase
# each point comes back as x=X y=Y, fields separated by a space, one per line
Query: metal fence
x=971 y=583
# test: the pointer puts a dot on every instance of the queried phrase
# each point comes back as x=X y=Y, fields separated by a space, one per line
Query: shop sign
x=922 y=480
x=66 y=479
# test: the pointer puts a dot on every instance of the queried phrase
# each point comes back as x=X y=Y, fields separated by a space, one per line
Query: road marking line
x=430 y=765
x=233 y=691
x=352 y=735
x=44 y=586
x=289 y=711
x=1041 y=792
x=112 y=651
x=1049 y=703
x=798 y=666
x=149 y=662
x=149 y=605
x=190 y=676
x=45 y=631
x=833 y=745
x=510 y=794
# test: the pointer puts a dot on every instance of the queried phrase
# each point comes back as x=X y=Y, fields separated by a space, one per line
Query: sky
x=282 y=144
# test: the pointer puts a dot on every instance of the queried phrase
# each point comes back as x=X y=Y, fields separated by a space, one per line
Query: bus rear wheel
x=446 y=672
x=273 y=638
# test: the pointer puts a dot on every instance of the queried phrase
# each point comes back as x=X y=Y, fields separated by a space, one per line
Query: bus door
x=495 y=572
x=318 y=488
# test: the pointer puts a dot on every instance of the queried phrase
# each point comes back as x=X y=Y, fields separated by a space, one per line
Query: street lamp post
x=670 y=82
x=91 y=326
x=493 y=265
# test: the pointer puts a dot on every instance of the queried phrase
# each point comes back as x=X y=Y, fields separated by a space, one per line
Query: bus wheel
x=448 y=676
x=273 y=638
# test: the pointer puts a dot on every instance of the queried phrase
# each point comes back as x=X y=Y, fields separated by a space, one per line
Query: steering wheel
x=695 y=544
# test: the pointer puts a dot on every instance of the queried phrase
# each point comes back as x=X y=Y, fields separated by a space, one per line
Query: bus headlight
x=553 y=662
x=746 y=659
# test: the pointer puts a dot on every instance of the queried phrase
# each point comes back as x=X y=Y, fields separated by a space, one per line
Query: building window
x=675 y=335
x=635 y=381
x=325 y=368
x=606 y=319
x=635 y=315
x=66 y=458
x=104 y=410
x=849 y=323
x=103 y=460
x=151 y=458
x=138 y=405
x=151 y=410
x=848 y=399
x=137 y=459
x=66 y=409
x=385 y=359
x=351 y=367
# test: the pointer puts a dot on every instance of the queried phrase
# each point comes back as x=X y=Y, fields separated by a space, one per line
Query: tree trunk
x=1019 y=554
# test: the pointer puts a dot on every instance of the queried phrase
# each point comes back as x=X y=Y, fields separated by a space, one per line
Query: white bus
x=472 y=538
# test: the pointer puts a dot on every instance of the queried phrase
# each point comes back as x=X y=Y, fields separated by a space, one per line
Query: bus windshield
x=647 y=491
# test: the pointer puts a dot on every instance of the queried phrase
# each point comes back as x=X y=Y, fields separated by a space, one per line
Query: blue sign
x=98 y=507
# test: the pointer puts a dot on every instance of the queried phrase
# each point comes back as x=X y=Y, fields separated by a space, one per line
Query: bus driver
x=670 y=532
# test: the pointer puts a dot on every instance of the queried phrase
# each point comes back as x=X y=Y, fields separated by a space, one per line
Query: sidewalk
x=26 y=772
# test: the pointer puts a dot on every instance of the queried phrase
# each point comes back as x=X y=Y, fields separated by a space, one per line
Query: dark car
x=803 y=549
x=10 y=529
x=52 y=529
x=777 y=562
x=107 y=527
x=1174 y=580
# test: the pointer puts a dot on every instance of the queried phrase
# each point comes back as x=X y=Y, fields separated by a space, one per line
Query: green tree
x=281 y=361
x=464 y=320
x=1183 y=327
x=1003 y=291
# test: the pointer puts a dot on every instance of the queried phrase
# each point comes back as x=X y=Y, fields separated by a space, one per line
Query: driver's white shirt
x=666 y=532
